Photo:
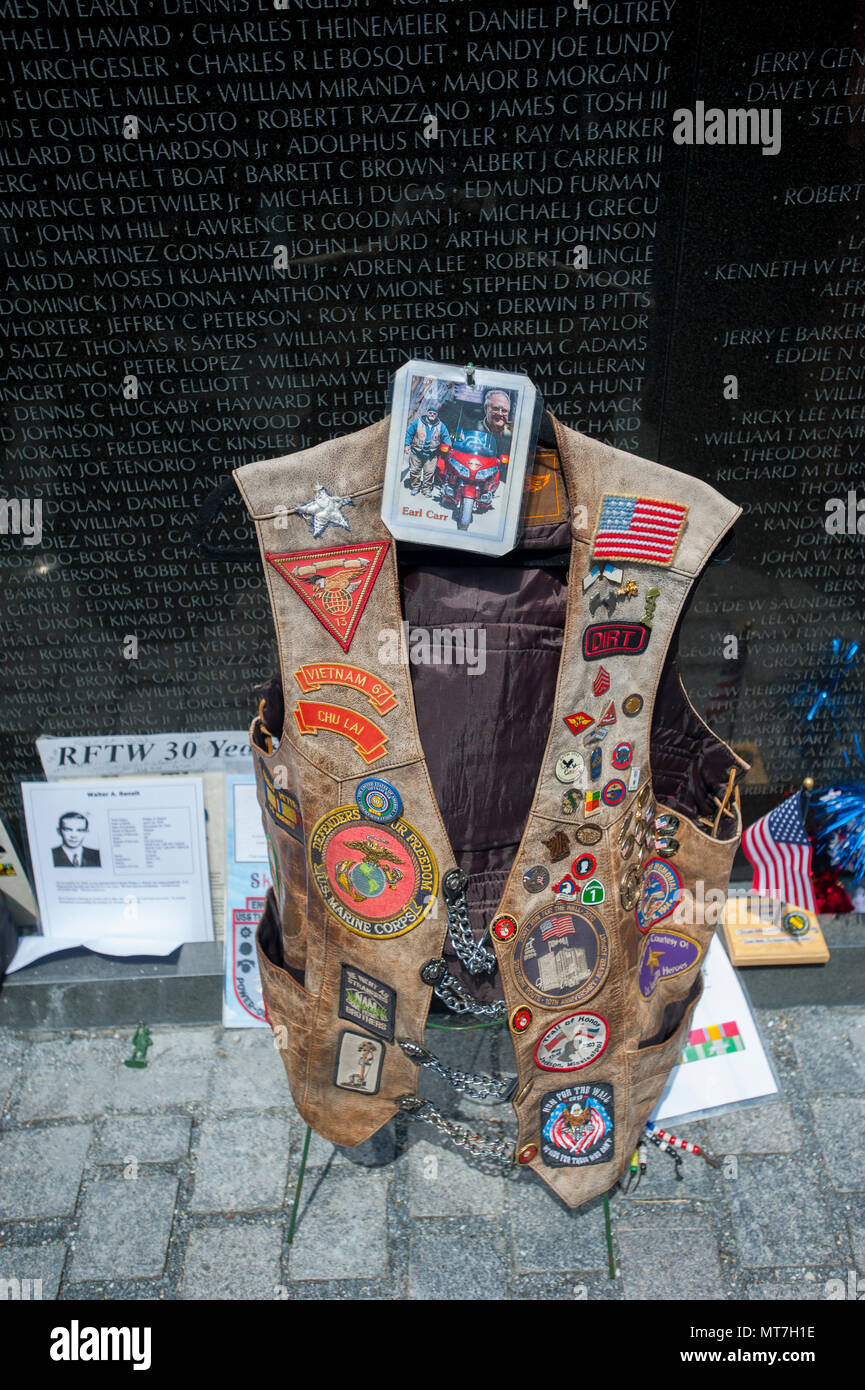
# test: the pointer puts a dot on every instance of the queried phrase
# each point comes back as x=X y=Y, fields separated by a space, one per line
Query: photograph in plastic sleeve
x=457 y=456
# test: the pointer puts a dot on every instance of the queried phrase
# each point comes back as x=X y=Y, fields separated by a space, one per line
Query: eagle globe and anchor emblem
x=369 y=876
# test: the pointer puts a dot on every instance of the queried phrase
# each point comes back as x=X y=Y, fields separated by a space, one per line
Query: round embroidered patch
x=562 y=955
x=536 y=879
x=573 y=1042
x=571 y=767
x=503 y=928
x=588 y=835
x=659 y=893
x=622 y=755
x=614 y=792
x=378 y=800
x=378 y=880
x=584 y=865
x=520 y=1020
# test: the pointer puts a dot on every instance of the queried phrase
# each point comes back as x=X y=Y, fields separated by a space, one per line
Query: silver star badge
x=324 y=510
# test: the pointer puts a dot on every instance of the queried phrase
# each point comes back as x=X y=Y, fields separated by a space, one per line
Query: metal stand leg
x=299 y=1185
x=611 y=1263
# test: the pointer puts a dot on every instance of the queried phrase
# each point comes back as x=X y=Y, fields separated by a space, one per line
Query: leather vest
x=573 y=762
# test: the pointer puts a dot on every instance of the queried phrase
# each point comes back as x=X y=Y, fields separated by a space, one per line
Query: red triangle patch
x=609 y=714
x=577 y=722
x=334 y=583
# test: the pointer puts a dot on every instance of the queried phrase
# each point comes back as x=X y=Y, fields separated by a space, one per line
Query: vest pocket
x=650 y=1063
x=289 y=1005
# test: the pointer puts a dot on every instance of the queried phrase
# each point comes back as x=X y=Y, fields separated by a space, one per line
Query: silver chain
x=474 y=955
x=498 y=1151
x=454 y=994
x=479 y=1087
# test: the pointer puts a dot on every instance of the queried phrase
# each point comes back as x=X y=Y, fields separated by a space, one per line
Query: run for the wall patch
x=647 y=529
x=334 y=584
x=665 y=954
x=660 y=891
x=378 y=880
x=358 y=1063
x=314 y=675
x=368 y=739
x=577 y=1126
x=282 y=806
x=367 y=1002
x=573 y=1042
x=562 y=955
x=615 y=639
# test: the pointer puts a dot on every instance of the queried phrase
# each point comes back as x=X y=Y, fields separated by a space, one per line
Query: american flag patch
x=639 y=528
x=557 y=927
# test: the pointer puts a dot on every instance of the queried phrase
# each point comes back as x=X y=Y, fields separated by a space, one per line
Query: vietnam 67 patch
x=577 y=1126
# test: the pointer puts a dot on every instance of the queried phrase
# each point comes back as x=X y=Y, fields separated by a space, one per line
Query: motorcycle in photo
x=469 y=473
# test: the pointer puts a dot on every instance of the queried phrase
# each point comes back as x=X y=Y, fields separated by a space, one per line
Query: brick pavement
x=176 y=1182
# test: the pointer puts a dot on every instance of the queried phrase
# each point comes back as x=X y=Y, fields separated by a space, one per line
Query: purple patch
x=665 y=954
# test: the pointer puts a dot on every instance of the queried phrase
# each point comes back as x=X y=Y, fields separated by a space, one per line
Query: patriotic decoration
x=558 y=927
x=639 y=528
x=779 y=849
x=577 y=1125
x=841 y=815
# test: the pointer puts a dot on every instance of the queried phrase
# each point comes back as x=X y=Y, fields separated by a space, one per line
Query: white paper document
x=120 y=866
x=249 y=877
x=723 y=1061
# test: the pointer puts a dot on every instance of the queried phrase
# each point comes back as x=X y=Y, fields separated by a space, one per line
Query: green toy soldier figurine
x=140 y=1042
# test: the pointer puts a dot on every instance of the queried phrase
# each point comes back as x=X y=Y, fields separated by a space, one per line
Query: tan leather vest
x=633 y=819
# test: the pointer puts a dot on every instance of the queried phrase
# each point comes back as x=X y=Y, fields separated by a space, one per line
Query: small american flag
x=779 y=848
x=558 y=926
x=639 y=528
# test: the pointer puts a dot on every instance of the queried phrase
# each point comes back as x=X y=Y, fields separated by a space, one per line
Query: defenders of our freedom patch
x=380 y=881
x=367 y=1002
x=562 y=955
x=577 y=1125
x=358 y=1063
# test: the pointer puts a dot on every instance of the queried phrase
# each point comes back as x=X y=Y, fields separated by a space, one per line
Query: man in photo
x=424 y=438
x=73 y=853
